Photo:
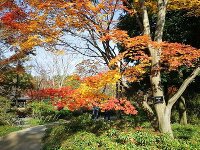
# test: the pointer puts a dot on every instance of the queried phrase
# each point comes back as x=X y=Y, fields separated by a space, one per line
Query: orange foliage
x=87 y=95
x=100 y=80
x=22 y=30
x=122 y=104
x=173 y=56
x=84 y=14
x=10 y=19
x=192 y=6
x=172 y=90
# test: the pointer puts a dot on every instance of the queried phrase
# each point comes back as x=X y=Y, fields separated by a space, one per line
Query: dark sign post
x=158 y=99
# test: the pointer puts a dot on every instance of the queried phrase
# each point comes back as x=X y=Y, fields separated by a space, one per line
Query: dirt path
x=27 y=139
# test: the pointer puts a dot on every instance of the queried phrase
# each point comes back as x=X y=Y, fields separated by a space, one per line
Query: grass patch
x=6 y=129
x=34 y=122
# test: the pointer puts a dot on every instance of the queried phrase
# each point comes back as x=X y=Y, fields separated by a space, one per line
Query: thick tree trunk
x=165 y=122
x=182 y=111
x=163 y=112
x=150 y=113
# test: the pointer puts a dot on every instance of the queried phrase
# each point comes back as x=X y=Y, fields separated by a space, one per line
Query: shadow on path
x=27 y=139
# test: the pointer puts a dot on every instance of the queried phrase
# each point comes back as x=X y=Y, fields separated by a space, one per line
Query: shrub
x=105 y=142
x=144 y=138
x=89 y=141
x=84 y=133
x=54 y=137
x=6 y=114
x=165 y=142
x=81 y=140
x=193 y=112
x=84 y=122
x=40 y=109
x=45 y=112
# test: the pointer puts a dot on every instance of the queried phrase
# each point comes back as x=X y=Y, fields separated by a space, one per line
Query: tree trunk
x=164 y=118
x=182 y=111
x=165 y=122
x=163 y=112
x=119 y=94
x=150 y=113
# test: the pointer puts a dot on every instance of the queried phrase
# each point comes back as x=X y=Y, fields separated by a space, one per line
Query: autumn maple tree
x=94 y=23
x=88 y=94
x=22 y=30
x=86 y=21
x=11 y=22
x=151 y=55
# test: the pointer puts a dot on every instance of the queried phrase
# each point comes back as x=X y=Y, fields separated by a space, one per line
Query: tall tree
x=175 y=30
x=84 y=21
x=161 y=55
x=148 y=52
x=21 y=31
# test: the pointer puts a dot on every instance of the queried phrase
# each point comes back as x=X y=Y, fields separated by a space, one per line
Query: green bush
x=144 y=138
x=194 y=118
x=133 y=139
x=40 y=109
x=85 y=123
x=57 y=134
x=165 y=142
x=6 y=114
x=89 y=141
x=45 y=112
x=84 y=133
x=54 y=137
x=193 y=113
x=81 y=140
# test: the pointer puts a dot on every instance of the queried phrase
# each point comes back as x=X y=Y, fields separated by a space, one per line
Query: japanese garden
x=100 y=74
